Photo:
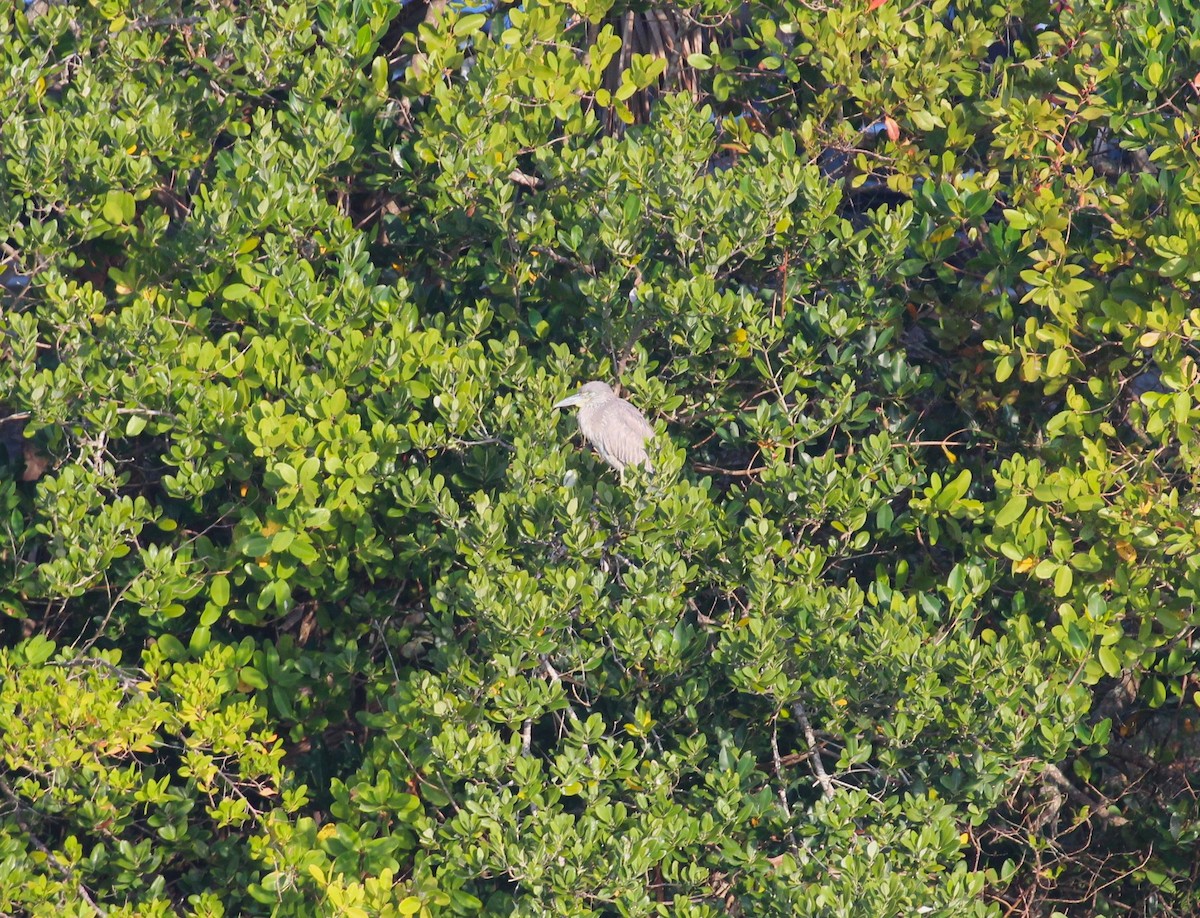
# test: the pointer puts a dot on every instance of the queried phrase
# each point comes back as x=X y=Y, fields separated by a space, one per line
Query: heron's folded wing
x=624 y=433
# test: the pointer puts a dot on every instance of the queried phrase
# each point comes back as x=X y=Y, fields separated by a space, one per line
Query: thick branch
x=802 y=718
x=815 y=757
x=1054 y=773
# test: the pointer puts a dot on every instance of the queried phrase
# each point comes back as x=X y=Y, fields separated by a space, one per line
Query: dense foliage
x=313 y=605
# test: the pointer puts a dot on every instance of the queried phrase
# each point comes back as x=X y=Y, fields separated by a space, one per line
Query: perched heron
x=614 y=427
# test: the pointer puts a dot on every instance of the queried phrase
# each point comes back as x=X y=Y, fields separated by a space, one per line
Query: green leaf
x=1110 y=662
x=469 y=24
x=1063 y=579
x=172 y=648
x=252 y=677
x=1012 y=511
x=379 y=75
x=1005 y=367
x=924 y=121
x=119 y=207
x=302 y=549
x=955 y=490
x=218 y=590
x=200 y=640
x=1057 y=363
x=38 y=649
x=1077 y=639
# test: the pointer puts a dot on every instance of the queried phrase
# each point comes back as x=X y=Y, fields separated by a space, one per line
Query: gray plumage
x=616 y=429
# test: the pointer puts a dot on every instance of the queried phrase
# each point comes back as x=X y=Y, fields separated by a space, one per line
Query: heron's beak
x=569 y=402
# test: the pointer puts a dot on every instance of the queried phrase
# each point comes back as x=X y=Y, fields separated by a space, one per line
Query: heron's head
x=589 y=394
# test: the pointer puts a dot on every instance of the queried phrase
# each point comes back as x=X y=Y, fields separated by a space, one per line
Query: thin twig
x=169 y=22
x=736 y=473
x=783 y=801
x=386 y=649
x=486 y=441
x=554 y=676
x=587 y=269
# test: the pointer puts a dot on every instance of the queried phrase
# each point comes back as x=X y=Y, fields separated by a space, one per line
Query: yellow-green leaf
x=1012 y=511
x=1108 y=659
x=468 y=24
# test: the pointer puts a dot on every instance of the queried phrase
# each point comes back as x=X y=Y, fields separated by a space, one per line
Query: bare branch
x=811 y=739
x=1098 y=808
